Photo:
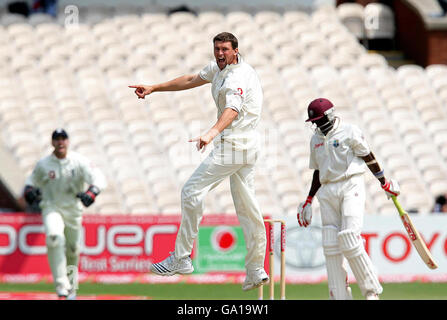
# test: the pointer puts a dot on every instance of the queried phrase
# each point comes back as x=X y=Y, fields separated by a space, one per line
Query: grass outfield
x=392 y=291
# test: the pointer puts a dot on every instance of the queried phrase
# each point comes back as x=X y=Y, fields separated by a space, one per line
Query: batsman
x=338 y=153
x=57 y=184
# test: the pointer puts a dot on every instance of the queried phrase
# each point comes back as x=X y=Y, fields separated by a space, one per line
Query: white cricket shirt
x=337 y=155
x=237 y=86
x=60 y=180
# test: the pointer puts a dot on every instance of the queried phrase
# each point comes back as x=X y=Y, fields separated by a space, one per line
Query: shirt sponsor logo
x=336 y=143
x=318 y=145
x=52 y=174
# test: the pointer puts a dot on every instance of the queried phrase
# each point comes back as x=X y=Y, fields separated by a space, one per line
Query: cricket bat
x=414 y=236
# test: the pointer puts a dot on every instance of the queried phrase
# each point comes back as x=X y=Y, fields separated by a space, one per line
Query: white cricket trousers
x=342 y=206
x=63 y=231
x=221 y=163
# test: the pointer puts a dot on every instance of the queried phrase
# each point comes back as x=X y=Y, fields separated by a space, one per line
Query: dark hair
x=226 y=37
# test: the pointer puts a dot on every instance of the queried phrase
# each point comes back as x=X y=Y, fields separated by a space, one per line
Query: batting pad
x=352 y=247
x=335 y=265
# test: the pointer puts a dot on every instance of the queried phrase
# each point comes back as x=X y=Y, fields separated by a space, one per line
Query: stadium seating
x=77 y=78
x=352 y=16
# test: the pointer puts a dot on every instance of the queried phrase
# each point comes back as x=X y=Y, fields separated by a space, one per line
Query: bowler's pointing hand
x=141 y=91
x=202 y=142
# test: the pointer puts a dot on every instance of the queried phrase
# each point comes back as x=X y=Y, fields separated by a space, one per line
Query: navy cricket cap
x=59 y=133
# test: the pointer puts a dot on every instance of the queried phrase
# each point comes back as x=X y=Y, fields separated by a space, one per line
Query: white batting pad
x=335 y=265
x=352 y=247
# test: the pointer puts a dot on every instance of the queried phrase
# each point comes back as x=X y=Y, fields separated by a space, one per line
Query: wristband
x=379 y=174
x=93 y=189
x=28 y=189
x=309 y=199
x=91 y=194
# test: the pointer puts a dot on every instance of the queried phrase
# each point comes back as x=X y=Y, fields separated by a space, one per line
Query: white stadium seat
x=352 y=16
x=77 y=77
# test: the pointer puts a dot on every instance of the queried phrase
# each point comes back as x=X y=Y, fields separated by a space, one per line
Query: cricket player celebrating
x=57 y=183
x=338 y=152
x=238 y=95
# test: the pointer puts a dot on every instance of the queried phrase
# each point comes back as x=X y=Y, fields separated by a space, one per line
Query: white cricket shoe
x=372 y=296
x=171 y=265
x=62 y=291
x=255 y=279
x=71 y=294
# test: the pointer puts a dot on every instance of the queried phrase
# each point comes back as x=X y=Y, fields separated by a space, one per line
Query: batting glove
x=304 y=215
x=88 y=197
x=391 y=188
x=32 y=195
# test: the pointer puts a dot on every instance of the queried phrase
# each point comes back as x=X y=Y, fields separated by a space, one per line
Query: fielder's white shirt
x=237 y=86
x=337 y=155
x=60 y=180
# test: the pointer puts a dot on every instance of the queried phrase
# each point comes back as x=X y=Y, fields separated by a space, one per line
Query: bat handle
x=398 y=206
x=394 y=199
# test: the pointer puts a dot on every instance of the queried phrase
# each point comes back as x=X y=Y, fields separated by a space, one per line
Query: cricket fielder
x=238 y=95
x=58 y=184
x=338 y=153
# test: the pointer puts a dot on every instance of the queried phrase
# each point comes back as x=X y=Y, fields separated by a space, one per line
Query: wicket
x=270 y=247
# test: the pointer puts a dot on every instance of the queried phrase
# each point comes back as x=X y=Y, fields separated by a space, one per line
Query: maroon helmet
x=318 y=108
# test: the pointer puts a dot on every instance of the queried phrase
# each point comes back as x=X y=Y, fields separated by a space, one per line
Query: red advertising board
x=113 y=248
x=120 y=248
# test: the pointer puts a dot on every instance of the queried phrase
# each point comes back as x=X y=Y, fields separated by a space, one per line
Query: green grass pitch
x=182 y=291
